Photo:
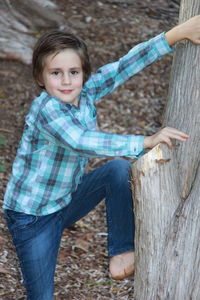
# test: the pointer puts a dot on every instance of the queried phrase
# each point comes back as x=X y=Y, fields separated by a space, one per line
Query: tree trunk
x=20 y=24
x=166 y=190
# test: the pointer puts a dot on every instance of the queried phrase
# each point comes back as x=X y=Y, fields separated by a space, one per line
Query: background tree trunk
x=166 y=190
x=20 y=25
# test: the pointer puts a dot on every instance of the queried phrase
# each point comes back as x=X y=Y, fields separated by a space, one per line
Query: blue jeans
x=37 y=238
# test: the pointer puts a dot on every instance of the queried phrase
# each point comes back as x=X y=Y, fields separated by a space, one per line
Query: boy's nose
x=66 y=79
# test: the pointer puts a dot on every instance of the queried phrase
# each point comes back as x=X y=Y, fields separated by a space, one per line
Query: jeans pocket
x=19 y=220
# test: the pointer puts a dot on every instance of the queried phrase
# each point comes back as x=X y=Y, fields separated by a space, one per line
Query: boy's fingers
x=173 y=131
x=197 y=42
x=167 y=141
x=178 y=137
x=170 y=134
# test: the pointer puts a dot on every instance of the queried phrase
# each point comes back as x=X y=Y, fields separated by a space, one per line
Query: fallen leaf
x=4 y=271
x=81 y=244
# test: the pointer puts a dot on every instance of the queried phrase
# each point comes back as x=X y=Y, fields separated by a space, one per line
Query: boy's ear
x=40 y=83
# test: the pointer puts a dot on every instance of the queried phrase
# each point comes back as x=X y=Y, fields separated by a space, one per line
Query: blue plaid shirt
x=59 y=138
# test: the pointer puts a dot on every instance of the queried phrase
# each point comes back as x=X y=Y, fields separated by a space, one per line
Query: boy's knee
x=120 y=164
x=120 y=169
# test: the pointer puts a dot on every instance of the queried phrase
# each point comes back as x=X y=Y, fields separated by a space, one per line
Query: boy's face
x=63 y=76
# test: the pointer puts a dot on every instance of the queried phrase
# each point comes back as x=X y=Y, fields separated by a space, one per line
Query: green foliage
x=2 y=168
x=2 y=94
x=2 y=141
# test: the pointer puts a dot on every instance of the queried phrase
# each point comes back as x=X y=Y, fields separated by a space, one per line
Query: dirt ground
x=110 y=29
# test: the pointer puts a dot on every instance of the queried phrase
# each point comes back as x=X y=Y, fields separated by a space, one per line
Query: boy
x=48 y=190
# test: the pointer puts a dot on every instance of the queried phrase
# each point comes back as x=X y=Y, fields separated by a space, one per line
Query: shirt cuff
x=136 y=145
x=161 y=45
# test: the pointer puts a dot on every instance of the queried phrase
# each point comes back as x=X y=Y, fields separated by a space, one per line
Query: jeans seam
x=109 y=221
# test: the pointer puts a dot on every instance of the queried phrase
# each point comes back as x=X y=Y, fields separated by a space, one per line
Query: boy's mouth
x=65 y=91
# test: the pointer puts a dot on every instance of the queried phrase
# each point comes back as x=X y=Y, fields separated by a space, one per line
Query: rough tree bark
x=20 y=23
x=166 y=190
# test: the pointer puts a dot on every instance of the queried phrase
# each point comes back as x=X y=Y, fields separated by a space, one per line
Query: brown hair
x=56 y=41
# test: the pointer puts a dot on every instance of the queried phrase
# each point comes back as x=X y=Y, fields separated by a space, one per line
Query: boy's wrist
x=146 y=143
x=175 y=35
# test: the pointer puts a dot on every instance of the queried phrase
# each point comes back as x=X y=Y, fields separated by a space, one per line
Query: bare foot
x=122 y=265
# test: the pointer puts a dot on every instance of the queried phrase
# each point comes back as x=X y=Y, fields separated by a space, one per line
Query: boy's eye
x=56 y=73
x=74 y=72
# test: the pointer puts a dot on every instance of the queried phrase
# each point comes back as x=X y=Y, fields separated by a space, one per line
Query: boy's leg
x=37 y=241
x=110 y=181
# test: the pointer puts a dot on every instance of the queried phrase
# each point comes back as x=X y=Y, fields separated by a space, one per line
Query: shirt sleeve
x=67 y=131
x=110 y=76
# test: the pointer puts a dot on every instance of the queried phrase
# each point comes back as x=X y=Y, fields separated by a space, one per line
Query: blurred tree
x=167 y=193
x=21 y=22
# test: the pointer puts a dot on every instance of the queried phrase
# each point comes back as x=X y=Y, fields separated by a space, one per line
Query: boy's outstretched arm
x=189 y=30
